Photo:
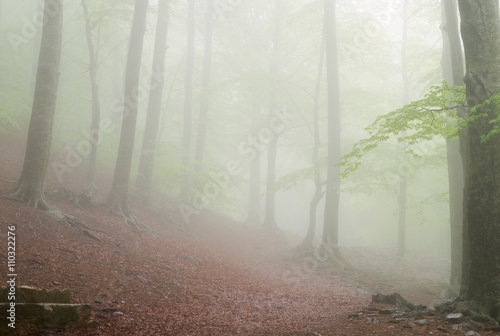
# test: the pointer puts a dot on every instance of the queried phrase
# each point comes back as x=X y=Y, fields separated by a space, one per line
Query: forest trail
x=211 y=277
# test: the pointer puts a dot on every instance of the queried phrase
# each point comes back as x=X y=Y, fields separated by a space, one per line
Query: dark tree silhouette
x=118 y=197
x=480 y=30
x=30 y=186
x=148 y=152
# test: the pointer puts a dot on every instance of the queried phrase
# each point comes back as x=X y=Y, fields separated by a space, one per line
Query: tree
x=332 y=200
x=480 y=30
x=96 y=106
x=270 y=211
x=146 y=164
x=30 y=185
x=406 y=99
x=307 y=242
x=207 y=70
x=118 y=196
x=188 y=95
x=453 y=73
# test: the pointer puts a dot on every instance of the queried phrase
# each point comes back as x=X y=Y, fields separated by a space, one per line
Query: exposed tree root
x=34 y=198
x=122 y=210
x=8 y=181
x=91 y=191
x=37 y=200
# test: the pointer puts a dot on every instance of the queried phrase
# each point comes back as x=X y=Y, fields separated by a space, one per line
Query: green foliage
x=422 y=120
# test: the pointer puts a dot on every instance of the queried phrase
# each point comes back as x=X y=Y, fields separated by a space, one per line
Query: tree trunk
x=307 y=242
x=30 y=186
x=453 y=73
x=188 y=98
x=254 y=185
x=332 y=200
x=36 y=50
x=480 y=30
x=119 y=189
x=96 y=106
x=270 y=215
x=403 y=184
x=146 y=165
x=207 y=69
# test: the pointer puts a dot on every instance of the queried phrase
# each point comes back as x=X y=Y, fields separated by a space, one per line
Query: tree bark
x=453 y=73
x=270 y=215
x=144 y=179
x=30 y=185
x=403 y=184
x=480 y=30
x=205 y=83
x=118 y=197
x=188 y=98
x=254 y=186
x=96 y=106
x=332 y=200
x=307 y=242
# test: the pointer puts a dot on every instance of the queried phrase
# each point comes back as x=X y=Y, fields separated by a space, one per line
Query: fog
x=246 y=89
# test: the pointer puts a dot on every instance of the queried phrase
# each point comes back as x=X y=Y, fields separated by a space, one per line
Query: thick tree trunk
x=332 y=200
x=36 y=50
x=96 y=106
x=118 y=197
x=453 y=73
x=480 y=28
x=30 y=186
x=307 y=242
x=188 y=99
x=146 y=164
x=207 y=70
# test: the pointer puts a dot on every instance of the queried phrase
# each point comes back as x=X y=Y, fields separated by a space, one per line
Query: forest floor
x=211 y=277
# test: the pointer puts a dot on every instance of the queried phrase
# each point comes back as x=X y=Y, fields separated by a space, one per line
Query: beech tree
x=480 y=30
x=148 y=152
x=453 y=73
x=270 y=206
x=332 y=200
x=118 y=196
x=205 y=82
x=30 y=186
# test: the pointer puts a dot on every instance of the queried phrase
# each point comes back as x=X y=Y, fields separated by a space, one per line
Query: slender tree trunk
x=188 y=98
x=453 y=73
x=146 y=165
x=480 y=28
x=96 y=106
x=207 y=69
x=30 y=185
x=254 y=187
x=307 y=242
x=332 y=200
x=270 y=215
x=403 y=185
x=118 y=197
